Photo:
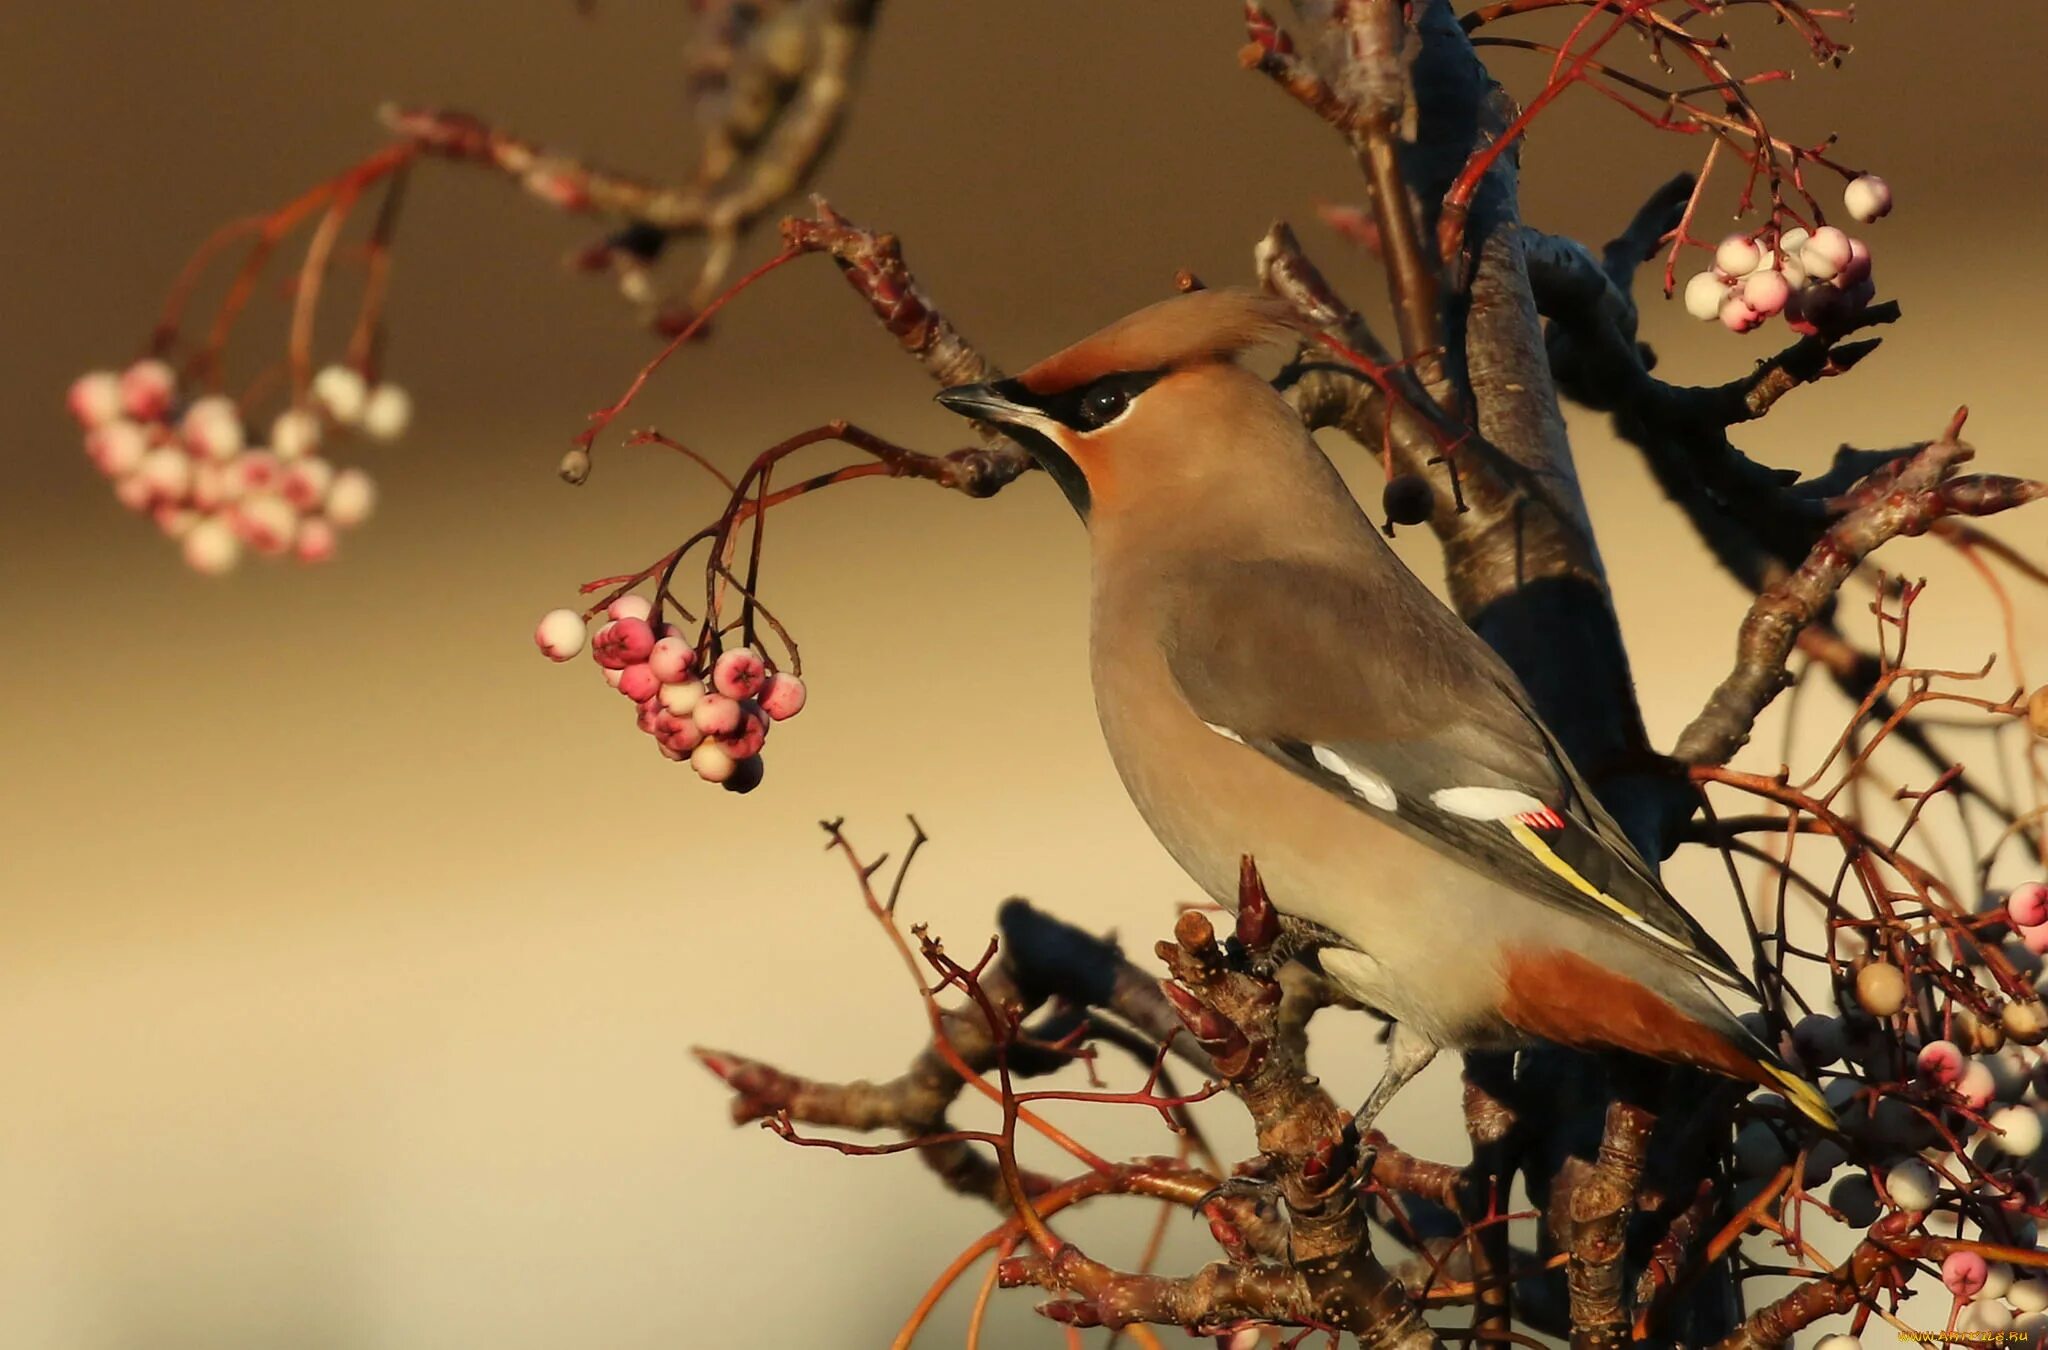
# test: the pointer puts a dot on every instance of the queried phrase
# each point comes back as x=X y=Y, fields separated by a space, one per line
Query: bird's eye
x=1103 y=406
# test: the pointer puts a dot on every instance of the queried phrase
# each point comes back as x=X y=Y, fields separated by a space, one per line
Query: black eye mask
x=1087 y=407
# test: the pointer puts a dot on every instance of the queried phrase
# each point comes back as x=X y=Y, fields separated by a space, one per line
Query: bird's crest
x=1207 y=325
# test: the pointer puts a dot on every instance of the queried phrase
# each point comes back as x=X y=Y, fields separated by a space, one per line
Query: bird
x=1271 y=680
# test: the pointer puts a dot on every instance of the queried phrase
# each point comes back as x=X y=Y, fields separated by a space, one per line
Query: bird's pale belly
x=1426 y=947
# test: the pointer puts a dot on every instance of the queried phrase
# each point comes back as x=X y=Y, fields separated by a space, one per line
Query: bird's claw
x=1263 y=1192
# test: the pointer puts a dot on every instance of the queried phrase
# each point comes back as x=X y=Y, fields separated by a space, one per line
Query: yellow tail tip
x=1804 y=1095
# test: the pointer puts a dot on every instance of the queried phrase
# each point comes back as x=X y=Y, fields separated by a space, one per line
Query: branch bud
x=1258 y=923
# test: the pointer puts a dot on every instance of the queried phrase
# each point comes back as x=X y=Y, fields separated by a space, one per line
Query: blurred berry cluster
x=192 y=466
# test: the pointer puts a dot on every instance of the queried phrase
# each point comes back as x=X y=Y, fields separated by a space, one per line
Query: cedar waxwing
x=1273 y=681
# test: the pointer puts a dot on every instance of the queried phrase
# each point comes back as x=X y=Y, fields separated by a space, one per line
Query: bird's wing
x=1369 y=687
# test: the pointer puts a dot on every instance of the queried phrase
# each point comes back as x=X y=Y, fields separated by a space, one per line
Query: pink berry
x=752 y=733
x=611 y=676
x=1766 y=292
x=677 y=733
x=1941 y=1062
x=739 y=673
x=146 y=389
x=650 y=711
x=304 y=482
x=173 y=519
x=95 y=399
x=782 y=696
x=637 y=682
x=2027 y=906
x=717 y=715
x=712 y=763
x=253 y=471
x=631 y=607
x=559 y=634
x=315 y=541
x=265 y=521
x=623 y=643
x=669 y=752
x=1964 y=1273
x=671 y=659
x=2035 y=939
x=1977 y=1086
x=1737 y=316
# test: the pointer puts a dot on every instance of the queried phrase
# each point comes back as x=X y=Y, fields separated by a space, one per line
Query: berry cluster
x=190 y=465
x=1971 y=1108
x=1816 y=278
x=717 y=719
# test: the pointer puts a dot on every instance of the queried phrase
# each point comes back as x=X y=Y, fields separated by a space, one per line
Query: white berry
x=351 y=498
x=387 y=412
x=1737 y=256
x=1912 y=1185
x=168 y=472
x=342 y=392
x=559 y=634
x=1867 y=198
x=95 y=399
x=1704 y=294
x=213 y=428
x=712 y=763
x=1826 y=254
x=211 y=548
x=295 y=433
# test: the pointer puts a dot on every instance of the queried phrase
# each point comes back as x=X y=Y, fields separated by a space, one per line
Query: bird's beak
x=1002 y=404
x=984 y=403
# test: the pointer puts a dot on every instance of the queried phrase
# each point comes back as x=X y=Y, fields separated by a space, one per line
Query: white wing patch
x=1225 y=732
x=1485 y=803
x=1367 y=785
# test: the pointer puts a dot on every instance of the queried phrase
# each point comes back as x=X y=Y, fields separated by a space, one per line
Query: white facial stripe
x=1369 y=786
x=1037 y=421
x=1485 y=803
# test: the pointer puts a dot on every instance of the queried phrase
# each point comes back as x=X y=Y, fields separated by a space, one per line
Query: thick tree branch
x=1905 y=497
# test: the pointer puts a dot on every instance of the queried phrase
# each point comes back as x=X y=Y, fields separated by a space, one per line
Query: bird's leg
x=1408 y=1053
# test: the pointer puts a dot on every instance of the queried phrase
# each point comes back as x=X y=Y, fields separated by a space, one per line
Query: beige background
x=352 y=951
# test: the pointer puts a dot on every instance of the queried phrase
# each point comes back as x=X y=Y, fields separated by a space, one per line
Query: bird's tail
x=1772 y=1071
